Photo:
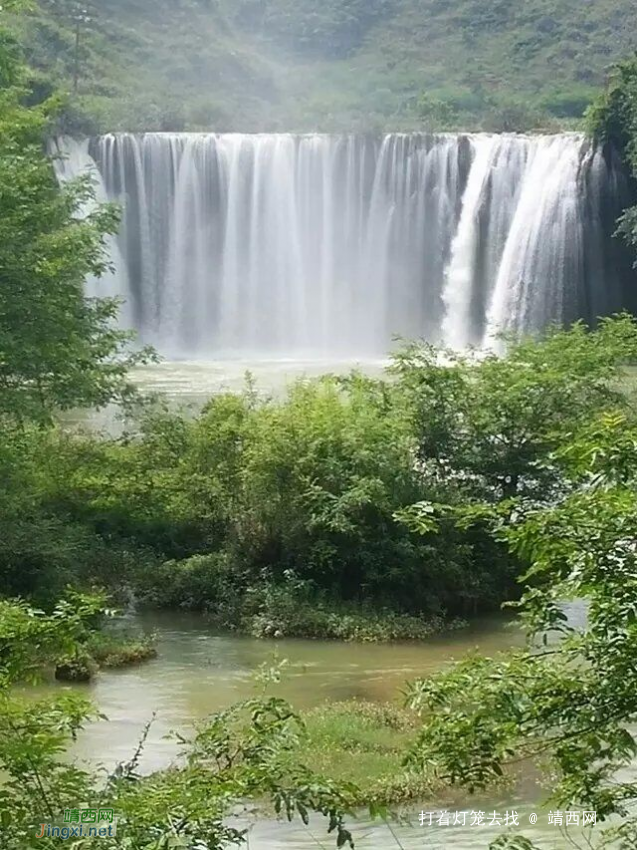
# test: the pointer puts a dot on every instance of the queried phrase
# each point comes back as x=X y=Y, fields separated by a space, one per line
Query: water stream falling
x=301 y=246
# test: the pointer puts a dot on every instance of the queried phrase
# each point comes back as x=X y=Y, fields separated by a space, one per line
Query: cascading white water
x=458 y=288
x=284 y=245
x=545 y=243
x=72 y=159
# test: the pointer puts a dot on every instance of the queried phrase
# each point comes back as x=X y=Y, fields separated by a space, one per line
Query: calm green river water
x=198 y=672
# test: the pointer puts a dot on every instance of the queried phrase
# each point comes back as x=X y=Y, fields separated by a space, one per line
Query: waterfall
x=329 y=246
x=72 y=159
x=543 y=260
x=459 y=278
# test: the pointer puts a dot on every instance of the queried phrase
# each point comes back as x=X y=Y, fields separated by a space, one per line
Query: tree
x=489 y=422
x=568 y=701
x=58 y=349
x=79 y=14
x=613 y=119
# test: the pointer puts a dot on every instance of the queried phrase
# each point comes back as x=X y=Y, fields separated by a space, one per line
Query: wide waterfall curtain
x=283 y=245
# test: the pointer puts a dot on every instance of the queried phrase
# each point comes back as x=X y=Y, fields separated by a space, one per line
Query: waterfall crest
x=315 y=245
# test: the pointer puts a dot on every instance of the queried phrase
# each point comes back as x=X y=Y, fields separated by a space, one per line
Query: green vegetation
x=279 y=517
x=78 y=668
x=119 y=649
x=365 y=744
x=613 y=118
x=242 y=752
x=568 y=701
x=296 y=612
x=339 y=65
x=57 y=348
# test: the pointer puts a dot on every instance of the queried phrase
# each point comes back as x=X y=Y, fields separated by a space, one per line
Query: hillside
x=331 y=65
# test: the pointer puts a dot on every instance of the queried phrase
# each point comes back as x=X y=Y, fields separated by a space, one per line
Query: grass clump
x=365 y=743
x=111 y=650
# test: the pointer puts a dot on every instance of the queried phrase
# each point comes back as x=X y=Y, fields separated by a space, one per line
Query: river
x=199 y=671
x=188 y=384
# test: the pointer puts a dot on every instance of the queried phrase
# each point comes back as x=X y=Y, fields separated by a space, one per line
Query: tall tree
x=58 y=348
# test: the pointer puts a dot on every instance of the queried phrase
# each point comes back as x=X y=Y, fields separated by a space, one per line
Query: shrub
x=292 y=611
x=114 y=649
x=208 y=583
x=77 y=668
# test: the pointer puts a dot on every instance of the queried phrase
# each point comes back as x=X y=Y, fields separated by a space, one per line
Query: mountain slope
x=331 y=65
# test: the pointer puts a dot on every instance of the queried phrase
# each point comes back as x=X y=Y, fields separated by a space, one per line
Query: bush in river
x=80 y=667
x=112 y=649
x=285 y=612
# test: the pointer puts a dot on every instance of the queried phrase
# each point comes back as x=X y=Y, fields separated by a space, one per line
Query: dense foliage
x=58 y=349
x=568 y=701
x=335 y=65
x=279 y=516
x=254 y=510
x=333 y=29
x=613 y=119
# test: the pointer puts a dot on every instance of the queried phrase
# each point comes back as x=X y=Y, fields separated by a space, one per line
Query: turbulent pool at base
x=314 y=246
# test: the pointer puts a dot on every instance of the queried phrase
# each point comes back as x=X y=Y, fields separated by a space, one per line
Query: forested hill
x=327 y=64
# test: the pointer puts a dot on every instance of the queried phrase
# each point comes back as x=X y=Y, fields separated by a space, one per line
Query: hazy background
x=326 y=64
